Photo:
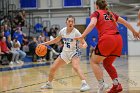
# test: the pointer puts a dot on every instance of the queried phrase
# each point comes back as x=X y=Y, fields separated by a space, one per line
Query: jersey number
x=106 y=17
x=68 y=45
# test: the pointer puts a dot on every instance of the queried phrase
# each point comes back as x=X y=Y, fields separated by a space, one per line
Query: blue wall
x=89 y=38
x=73 y=3
x=123 y=32
x=28 y=3
x=122 y=29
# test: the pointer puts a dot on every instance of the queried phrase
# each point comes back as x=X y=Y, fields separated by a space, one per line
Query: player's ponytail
x=102 y=4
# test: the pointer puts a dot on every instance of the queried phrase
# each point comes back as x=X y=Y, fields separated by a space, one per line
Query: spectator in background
x=56 y=30
x=15 y=56
x=7 y=31
x=25 y=43
x=20 y=18
x=42 y=36
x=18 y=35
x=5 y=51
x=13 y=27
x=32 y=46
x=2 y=34
x=39 y=40
x=45 y=31
x=52 y=30
x=17 y=45
x=60 y=46
x=52 y=36
x=5 y=21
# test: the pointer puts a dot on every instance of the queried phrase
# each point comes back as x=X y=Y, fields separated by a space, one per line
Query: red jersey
x=104 y=24
x=3 y=46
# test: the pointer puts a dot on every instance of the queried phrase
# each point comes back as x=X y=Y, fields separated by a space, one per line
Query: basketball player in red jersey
x=109 y=45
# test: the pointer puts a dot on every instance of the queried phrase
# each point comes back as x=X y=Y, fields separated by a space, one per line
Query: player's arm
x=138 y=23
x=126 y=24
x=91 y=25
x=83 y=44
x=55 y=40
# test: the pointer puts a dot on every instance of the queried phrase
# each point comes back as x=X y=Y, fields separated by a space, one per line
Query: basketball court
x=29 y=78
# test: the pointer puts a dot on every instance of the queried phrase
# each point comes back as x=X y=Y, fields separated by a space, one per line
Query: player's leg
x=55 y=66
x=76 y=67
x=107 y=63
x=95 y=64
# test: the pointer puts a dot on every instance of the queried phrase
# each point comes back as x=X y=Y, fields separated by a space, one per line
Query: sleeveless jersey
x=69 y=43
x=104 y=23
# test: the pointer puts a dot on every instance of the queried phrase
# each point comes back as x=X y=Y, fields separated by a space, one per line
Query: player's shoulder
x=76 y=30
x=63 y=29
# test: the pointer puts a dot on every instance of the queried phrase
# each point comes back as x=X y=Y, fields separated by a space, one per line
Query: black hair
x=70 y=16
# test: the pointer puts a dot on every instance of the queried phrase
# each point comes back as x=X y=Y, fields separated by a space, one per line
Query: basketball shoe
x=115 y=88
x=48 y=85
x=84 y=87
x=102 y=88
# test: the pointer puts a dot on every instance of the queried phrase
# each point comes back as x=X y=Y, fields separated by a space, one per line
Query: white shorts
x=68 y=55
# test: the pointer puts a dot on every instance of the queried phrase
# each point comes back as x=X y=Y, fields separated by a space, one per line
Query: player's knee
x=107 y=65
x=53 y=68
x=94 y=61
x=108 y=62
x=75 y=67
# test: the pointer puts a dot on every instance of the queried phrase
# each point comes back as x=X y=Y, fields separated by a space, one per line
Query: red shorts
x=109 y=45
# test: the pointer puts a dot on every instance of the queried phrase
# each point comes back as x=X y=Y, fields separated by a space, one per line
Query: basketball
x=41 y=50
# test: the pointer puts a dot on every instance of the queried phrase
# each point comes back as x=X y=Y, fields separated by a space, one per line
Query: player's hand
x=83 y=45
x=138 y=24
x=136 y=35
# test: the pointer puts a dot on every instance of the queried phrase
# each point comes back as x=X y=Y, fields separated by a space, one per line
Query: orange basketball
x=41 y=50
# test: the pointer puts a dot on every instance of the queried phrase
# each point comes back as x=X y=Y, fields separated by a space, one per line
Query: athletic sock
x=101 y=82
x=115 y=81
x=84 y=81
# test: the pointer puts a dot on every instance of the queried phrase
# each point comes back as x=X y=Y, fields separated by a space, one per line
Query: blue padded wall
x=90 y=36
x=123 y=32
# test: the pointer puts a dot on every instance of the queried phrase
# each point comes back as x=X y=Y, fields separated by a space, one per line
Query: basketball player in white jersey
x=70 y=53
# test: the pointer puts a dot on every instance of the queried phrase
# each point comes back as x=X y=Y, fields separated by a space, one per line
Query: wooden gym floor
x=29 y=78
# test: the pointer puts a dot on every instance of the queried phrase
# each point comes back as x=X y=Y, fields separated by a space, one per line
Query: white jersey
x=69 y=43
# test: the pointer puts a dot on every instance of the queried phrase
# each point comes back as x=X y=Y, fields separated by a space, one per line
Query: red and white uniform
x=110 y=41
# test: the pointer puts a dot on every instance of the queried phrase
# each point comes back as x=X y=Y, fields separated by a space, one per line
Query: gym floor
x=28 y=78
